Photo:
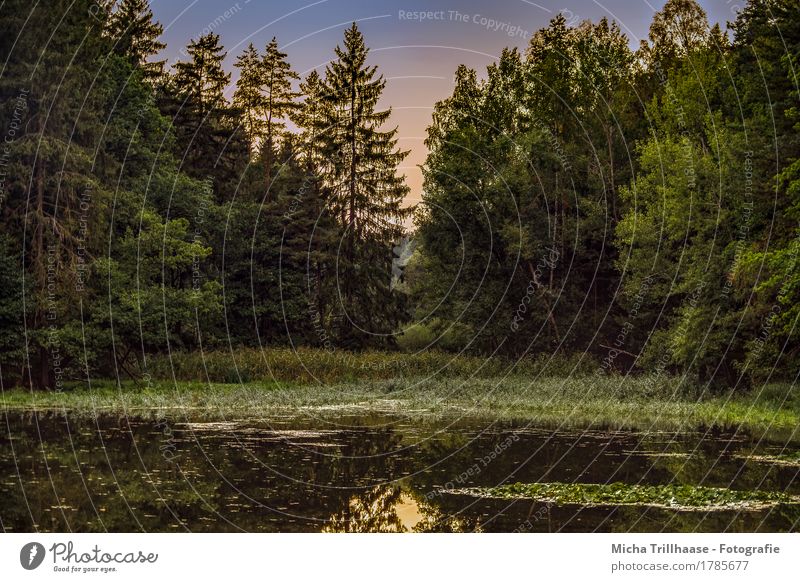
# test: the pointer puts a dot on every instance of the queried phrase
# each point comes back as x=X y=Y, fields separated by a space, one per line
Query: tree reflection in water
x=391 y=509
x=375 y=475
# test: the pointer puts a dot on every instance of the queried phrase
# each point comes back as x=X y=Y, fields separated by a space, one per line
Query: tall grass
x=311 y=365
x=601 y=402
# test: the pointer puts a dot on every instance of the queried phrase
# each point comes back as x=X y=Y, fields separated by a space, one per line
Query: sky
x=416 y=45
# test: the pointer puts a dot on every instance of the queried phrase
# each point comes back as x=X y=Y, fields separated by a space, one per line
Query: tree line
x=143 y=211
x=636 y=207
x=639 y=207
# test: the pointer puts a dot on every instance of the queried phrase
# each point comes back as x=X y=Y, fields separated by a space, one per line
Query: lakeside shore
x=639 y=403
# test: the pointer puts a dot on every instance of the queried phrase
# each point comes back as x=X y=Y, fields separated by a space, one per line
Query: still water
x=359 y=474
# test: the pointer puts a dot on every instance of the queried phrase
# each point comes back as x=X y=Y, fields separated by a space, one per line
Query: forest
x=612 y=208
x=230 y=302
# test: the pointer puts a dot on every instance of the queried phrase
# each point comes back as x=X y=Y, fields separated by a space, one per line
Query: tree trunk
x=550 y=317
x=44 y=368
x=352 y=218
x=268 y=164
x=268 y=153
x=612 y=189
x=40 y=270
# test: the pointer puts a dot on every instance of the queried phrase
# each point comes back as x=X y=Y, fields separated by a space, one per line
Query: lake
x=362 y=474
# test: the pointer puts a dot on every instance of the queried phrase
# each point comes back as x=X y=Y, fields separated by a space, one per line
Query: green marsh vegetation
x=427 y=387
x=680 y=497
x=631 y=212
x=790 y=459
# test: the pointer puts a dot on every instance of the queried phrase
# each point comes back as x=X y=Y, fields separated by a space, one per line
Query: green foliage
x=248 y=97
x=12 y=349
x=157 y=298
x=53 y=200
x=130 y=199
x=441 y=386
x=265 y=97
x=365 y=193
x=708 y=238
x=571 y=192
x=305 y=364
x=136 y=34
x=677 y=30
x=515 y=212
x=208 y=139
x=435 y=334
x=543 y=230
x=680 y=497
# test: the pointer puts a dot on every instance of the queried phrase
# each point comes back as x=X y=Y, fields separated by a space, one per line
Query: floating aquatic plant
x=684 y=497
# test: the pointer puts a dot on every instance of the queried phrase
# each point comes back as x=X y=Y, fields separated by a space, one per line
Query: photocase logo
x=31 y=555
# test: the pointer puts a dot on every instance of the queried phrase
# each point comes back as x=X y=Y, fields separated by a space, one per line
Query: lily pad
x=786 y=459
x=678 y=497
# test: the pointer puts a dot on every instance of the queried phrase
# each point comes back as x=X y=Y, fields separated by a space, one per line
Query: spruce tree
x=51 y=100
x=136 y=35
x=201 y=80
x=205 y=125
x=248 y=98
x=279 y=100
x=325 y=231
x=366 y=193
x=309 y=117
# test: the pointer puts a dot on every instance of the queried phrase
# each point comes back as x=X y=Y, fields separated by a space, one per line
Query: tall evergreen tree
x=202 y=80
x=51 y=94
x=279 y=100
x=309 y=117
x=248 y=98
x=136 y=35
x=209 y=140
x=366 y=193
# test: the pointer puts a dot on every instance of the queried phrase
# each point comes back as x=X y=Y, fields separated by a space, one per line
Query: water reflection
x=374 y=510
x=125 y=474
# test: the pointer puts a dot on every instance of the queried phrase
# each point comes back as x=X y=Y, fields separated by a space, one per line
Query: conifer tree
x=206 y=133
x=136 y=35
x=248 y=98
x=201 y=80
x=52 y=121
x=279 y=100
x=321 y=261
x=366 y=193
x=309 y=118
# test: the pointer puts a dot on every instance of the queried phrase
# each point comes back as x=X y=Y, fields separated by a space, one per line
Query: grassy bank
x=645 y=403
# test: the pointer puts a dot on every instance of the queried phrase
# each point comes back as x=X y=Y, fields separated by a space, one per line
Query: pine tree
x=248 y=98
x=136 y=35
x=206 y=127
x=279 y=100
x=201 y=80
x=366 y=193
x=321 y=284
x=309 y=117
x=51 y=94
